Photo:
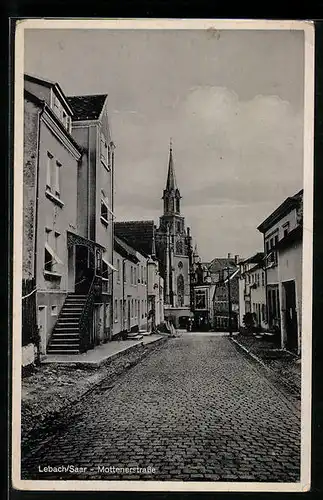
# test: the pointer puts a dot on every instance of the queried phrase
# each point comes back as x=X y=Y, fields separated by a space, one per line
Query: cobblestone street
x=195 y=409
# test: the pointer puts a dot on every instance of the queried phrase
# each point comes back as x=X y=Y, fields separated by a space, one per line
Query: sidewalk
x=284 y=363
x=102 y=354
x=62 y=381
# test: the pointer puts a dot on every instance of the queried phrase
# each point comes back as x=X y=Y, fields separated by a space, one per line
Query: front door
x=290 y=315
x=42 y=325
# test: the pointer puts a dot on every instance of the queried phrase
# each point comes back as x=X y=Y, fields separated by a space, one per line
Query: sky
x=231 y=100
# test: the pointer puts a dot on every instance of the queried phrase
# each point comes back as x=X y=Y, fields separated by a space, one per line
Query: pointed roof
x=171 y=179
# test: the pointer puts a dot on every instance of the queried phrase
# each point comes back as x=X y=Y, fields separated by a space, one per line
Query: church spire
x=171 y=195
x=171 y=179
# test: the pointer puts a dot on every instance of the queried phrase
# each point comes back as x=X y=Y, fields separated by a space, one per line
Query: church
x=174 y=251
x=171 y=245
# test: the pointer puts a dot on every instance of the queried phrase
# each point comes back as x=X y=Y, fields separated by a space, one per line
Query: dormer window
x=61 y=113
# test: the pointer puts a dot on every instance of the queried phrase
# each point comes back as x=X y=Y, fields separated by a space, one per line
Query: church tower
x=174 y=243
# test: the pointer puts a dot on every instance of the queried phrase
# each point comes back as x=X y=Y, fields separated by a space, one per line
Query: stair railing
x=86 y=318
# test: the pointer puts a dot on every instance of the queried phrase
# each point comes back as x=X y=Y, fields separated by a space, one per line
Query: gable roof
x=138 y=234
x=50 y=84
x=284 y=208
x=254 y=259
x=220 y=263
x=87 y=107
x=127 y=251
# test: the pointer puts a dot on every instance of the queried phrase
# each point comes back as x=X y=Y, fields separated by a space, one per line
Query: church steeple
x=171 y=179
x=171 y=194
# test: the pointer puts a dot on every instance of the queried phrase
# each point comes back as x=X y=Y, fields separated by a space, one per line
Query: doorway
x=42 y=325
x=290 y=316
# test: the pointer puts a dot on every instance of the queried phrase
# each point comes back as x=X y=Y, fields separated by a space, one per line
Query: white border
x=308 y=28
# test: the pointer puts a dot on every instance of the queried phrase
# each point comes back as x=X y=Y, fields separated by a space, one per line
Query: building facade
x=67 y=250
x=282 y=233
x=51 y=158
x=225 y=299
x=252 y=291
x=130 y=308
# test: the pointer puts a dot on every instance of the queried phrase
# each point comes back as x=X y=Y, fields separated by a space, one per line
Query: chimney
x=229 y=256
x=236 y=259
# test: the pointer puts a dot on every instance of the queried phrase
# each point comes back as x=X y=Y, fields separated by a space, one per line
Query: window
x=118 y=270
x=177 y=210
x=276 y=239
x=104 y=213
x=135 y=276
x=104 y=150
x=180 y=264
x=125 y=273
x=56 y=236
x=142 y=308
x=115 y=310
x=121 y=315
x=179 y=227
x=49 y=170
x=53 y=175
x=179 y=247
x=267 y=247
x=132 y=308
x=200 y=299
x=57 y=107
x=53 y=310
x=286 y=229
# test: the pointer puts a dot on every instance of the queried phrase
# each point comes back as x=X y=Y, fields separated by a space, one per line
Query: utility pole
x=229 y=300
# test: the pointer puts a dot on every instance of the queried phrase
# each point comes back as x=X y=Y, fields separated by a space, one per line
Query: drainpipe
x=266 y=291
x=40 y=114
x=112 y=242
x=123 y=299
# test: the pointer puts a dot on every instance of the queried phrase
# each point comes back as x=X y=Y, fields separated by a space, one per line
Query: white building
x=282 y=232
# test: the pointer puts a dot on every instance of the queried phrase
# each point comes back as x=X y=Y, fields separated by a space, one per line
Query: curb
x=274 y=377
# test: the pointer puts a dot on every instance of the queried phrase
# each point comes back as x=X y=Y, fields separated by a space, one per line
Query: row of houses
x=81 y=284
x=270 y=283
x=261 y=293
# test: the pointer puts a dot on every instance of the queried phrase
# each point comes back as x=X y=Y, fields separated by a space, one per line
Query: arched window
x=179 y=247
x=180 y=290
x=177 y=205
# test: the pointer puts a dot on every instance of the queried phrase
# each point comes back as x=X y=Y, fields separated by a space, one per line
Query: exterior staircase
x=65 y=338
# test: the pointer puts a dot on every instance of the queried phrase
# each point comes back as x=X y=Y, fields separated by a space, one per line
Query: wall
x=130 y=292
x=31 y=128
x=56 y=217
x=290 y=268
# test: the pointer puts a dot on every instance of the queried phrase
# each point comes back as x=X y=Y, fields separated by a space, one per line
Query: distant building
x=202 y=290
x=130 y=308
x=173 y=249
x=252 y=290
x=222 y=270
x=140 y=236
x=282 y=231
x=170 y=246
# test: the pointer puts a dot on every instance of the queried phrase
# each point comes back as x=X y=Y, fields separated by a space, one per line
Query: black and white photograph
x=163 y=255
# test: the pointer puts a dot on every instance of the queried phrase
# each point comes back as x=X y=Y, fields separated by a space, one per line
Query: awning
x=109 y=265
x=53 y=254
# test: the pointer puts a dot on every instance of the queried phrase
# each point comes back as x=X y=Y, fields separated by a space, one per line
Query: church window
x=177 y=205
x=179 y=227
x=180 y=290
x=179 y=247
x=180 y=264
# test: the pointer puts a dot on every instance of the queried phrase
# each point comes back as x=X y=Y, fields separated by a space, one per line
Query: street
x=195 y=409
